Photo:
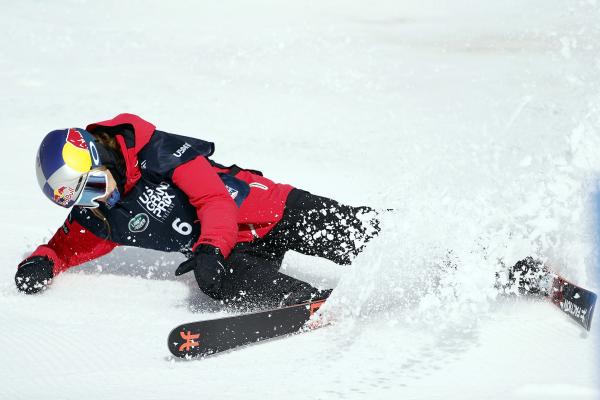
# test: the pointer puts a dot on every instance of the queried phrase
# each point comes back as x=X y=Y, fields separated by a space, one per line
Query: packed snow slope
x=477 y=122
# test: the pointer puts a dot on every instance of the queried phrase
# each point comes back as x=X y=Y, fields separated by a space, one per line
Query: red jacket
x=222 y=223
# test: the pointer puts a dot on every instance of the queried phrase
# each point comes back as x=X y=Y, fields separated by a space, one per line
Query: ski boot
x=304 y=293
x=527 y=277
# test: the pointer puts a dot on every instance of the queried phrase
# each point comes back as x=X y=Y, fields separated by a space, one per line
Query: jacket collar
x=136 y=133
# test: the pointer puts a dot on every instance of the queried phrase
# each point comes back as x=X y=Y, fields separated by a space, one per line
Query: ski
x=577 y=302
x=531 y=277
x=203 y=338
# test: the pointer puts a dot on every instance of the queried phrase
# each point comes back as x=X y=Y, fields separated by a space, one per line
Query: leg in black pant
x=311 y=225
x=253 y=280
x=318 y=226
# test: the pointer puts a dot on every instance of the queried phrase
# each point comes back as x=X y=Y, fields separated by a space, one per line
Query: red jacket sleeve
x=72 y=245
x=217 y=212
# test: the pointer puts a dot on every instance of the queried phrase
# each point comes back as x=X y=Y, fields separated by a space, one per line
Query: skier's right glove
x=34 y=274
x=209 y=269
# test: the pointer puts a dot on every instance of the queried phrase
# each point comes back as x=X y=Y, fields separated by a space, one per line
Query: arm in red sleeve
x=216 y=209
x=72 y=245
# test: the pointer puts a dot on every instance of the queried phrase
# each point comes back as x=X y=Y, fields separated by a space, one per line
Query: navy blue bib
x=152 y=215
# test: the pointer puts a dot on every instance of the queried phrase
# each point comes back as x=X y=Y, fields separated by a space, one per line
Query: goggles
x=95 y=186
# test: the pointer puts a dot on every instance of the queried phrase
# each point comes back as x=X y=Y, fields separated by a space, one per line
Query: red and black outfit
x=175 y=198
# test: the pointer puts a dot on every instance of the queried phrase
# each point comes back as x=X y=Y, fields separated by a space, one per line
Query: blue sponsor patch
x=238 y=189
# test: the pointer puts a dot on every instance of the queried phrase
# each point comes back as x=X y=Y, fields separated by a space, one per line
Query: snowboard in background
x=202 y=338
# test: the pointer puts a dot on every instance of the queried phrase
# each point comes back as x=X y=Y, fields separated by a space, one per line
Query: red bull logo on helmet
x=63 y=195
x=76 y=139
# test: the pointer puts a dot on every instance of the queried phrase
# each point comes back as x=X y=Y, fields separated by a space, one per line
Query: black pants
x=311 y=225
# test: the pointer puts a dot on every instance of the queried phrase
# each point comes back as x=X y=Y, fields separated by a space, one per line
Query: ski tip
x=183 y=342
x=575 y=301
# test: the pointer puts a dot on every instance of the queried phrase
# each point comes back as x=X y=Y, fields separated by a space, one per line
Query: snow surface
x=476 y=121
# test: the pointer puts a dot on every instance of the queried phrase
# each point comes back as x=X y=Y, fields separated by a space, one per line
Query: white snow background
x=476 y=121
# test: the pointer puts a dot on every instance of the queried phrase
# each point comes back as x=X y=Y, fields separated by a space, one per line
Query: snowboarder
x=131 y=184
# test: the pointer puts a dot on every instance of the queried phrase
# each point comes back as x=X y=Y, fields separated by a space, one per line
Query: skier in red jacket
x=131 y=184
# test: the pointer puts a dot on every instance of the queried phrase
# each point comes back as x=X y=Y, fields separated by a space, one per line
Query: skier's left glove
x=34 y=274
x=209 y=268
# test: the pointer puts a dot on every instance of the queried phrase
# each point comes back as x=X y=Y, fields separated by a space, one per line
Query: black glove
x=34 y=274
x=209 y=268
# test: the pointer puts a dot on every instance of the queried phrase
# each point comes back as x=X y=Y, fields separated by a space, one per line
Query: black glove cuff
x=39 y=261
x=208 y=249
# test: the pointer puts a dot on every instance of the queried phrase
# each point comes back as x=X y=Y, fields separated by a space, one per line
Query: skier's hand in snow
x=34 y=274
x=209 y=268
